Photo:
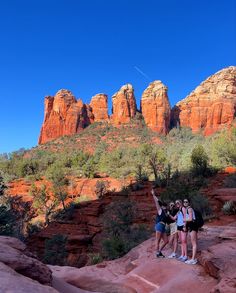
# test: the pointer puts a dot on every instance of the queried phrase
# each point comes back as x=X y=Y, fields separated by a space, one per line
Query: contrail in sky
x=141 y=72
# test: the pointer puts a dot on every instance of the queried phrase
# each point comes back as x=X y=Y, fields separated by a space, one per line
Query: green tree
x=59 y=182
x=101 y=188
x=55 y=250
x=199 y=160
x=43 y=202
x=3 y=187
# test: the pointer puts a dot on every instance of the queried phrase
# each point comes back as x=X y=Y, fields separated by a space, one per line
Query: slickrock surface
x=13 y=282
x=211 y=106
x=20 y=271
x=139 y=271
x=123 y=105
x=99 y=107
x=155 y=107
x=13 y=254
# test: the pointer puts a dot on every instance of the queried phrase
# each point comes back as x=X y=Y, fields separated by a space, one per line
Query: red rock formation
x=64 y=116
x=99 y=107
x=123 y=105
x=155 y=107
x=211 y=106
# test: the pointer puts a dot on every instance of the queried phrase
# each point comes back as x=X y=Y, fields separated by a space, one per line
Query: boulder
x=13 y=254
x=13 y=282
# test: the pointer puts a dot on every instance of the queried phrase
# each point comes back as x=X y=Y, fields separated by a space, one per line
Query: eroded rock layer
x=155 y=107
x=211 y=106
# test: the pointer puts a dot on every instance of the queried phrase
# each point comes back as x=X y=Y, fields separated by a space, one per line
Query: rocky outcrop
x=99 y=107
x=155 y=107
x=211 y=106
x=123 y=105
x=64 y=115
x=139 y=271
x=20 y=271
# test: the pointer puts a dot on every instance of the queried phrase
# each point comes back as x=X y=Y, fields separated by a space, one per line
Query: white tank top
x=187 y=215
x=180 y=219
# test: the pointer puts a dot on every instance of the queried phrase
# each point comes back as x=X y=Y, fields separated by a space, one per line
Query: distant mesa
x=209 y=108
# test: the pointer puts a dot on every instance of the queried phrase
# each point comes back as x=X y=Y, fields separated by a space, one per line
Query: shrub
x=120 y=234
x=101 y=188
x=199 y=160
x=94 y=258
x=229 y=208
x=55 y=250
x=230 y=181
x=7 y=221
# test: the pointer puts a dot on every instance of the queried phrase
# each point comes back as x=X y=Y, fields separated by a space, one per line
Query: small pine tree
x=199 y=160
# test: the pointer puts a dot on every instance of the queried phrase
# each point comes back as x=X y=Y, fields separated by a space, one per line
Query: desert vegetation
x=180 y=164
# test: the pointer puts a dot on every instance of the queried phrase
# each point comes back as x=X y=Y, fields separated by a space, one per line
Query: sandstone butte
x=123 y=105
x=209 y=108
x=155 y=107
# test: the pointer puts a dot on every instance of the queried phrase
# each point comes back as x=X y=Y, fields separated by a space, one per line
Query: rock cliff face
x=211 y=106
x=64 y=115
x=99 y=107
x=123 y=105
x=155 y=107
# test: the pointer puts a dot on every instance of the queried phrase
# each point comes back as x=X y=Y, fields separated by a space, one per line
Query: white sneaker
x=172 y=255
x=191 y=262
x=180 y=258
x=184 y=258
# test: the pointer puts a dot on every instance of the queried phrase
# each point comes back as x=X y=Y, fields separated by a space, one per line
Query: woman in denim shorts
x=161 y=220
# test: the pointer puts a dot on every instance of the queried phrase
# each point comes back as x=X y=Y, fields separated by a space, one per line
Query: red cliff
x=155 y=107
x=99 y=107
x=64 y=116
x=211 y=106
x=123 y=105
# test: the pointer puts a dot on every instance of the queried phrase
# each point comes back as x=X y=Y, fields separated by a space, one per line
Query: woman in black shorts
x=192 y=228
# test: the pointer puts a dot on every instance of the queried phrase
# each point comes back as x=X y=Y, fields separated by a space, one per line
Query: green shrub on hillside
x=229 y=208
x=55 y=250
x=120 y=235
x=230 y=181
x=199 y=161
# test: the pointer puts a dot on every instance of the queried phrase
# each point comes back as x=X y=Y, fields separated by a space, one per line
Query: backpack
x=198 y=219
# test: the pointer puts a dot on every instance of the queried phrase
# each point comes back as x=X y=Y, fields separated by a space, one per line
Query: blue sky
x=90 y=46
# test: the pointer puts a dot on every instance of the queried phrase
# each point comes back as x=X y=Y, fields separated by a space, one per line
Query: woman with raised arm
x=161 y=220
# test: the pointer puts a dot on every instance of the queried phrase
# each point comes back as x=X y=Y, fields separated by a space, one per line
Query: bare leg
x=165 y=240
x=193 y=236
x=183 y=243
x=175 y=237
x=158 y=239
x=171 y=240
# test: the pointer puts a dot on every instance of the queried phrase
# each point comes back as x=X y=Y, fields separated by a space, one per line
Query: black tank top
x=162 y=217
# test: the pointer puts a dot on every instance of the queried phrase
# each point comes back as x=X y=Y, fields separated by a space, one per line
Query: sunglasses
x=177 y=203
x=185 y=201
